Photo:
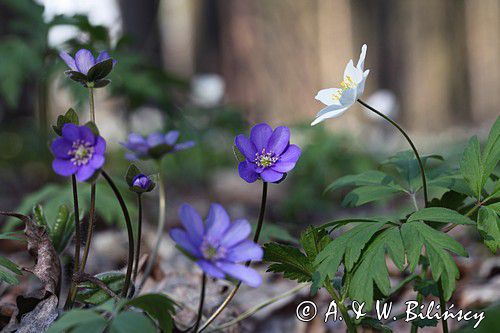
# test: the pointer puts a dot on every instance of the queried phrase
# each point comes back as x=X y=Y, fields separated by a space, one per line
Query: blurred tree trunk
x=140 y=21
x=483 y=46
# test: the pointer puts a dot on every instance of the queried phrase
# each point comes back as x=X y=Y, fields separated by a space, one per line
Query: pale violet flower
x=338 y=100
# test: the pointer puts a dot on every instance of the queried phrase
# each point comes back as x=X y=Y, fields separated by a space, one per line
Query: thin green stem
x=258 y=307
x=442 y=304
x=78 y=239
x=130 y=232
x=351 y=328
x=260 y=223
x=420 y=164
x=90 y=230
x=91 y=104
x=202 y=301
x=139 y=234
x=161 y=226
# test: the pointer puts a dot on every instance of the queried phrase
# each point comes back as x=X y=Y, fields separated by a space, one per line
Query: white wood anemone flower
x=338 y=100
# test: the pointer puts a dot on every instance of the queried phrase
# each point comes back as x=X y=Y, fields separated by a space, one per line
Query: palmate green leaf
x=439 y=214
x=78 y=318
x=488 y=224
x=131 y=322
x=346 y=247
x=371 y=269
x=313 y=241
x=159 y=307
x=416 y=235
x=339 y=223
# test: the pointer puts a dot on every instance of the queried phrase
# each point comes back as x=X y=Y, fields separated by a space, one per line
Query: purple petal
x=84 y=173
x=237 y=232
x=87 y=135
x=136 y=139
x=245 y=251
x=102 y=56
x=192 y=222
x=288 y=159
x=131 y=156
x=84 y=60
x=155 y=139
x=97 y=161
x=217 y=221
x=70 y=132
x=271 y=176
x=60 y=148
x=100 y=146
x=279 y=140
x=240 y=272
x=260 y=135
x=171 y=137
x=245 y=146
x=184 y=145
x=183 y=240
x=63 y=167
x=247 y=172
x=68 y=60
x=210 y=269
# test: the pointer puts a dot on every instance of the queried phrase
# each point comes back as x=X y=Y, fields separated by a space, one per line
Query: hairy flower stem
x=78 y=239
x=130 y=233
x=420 y=164
x=139 y=233
x=202 y=301
x=351 y=328
x=229 y=297
x=90 y=230
x=161 y=225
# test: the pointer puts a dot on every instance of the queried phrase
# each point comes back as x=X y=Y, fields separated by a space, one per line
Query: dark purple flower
x=78 y=151
x=87 y=70
x=219 y=247
x=142 y=181
x=154 y=145
x=268 y=154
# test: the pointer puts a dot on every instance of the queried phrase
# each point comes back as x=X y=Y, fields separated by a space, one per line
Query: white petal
x=362 y=56
x=360 y=87
x=355 y=74
x=329 y=112
x=349 y=97
x=327 y=96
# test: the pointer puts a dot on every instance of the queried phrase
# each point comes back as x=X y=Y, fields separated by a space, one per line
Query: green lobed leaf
x=131 y=322
x=437 y=244
x=488 y=224
x=371 y=269
x=157 y=306
x=288 y=260
x=439 y=214
x=371 y=177
x=346 y=247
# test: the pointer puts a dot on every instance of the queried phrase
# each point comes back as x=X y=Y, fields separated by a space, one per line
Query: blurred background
x=213 y=68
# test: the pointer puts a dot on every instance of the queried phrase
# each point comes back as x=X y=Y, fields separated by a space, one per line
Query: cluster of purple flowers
x=154 y=145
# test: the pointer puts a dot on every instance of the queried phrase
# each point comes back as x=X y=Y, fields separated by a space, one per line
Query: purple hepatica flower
x=142 y=181
x=269 y=154
x=154 y=145
x=78 y=151
x=84 y=68
x=219 y=247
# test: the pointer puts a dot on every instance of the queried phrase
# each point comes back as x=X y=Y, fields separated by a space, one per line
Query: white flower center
x=81 y=152
x=211 y=252
x=348 y=83
x=265 y=159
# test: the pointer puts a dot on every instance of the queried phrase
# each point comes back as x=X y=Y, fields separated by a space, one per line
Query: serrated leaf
x=288 y=260
x=437 y=244
x=488 y=224
x=159 y=307
x=371 y=269
x=366 y=194
x=313 y=241
x=346 y=247
x=439 y=214
x=371 y=177
x=131 y=322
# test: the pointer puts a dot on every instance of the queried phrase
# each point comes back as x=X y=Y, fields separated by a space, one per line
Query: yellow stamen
x=348 y=83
